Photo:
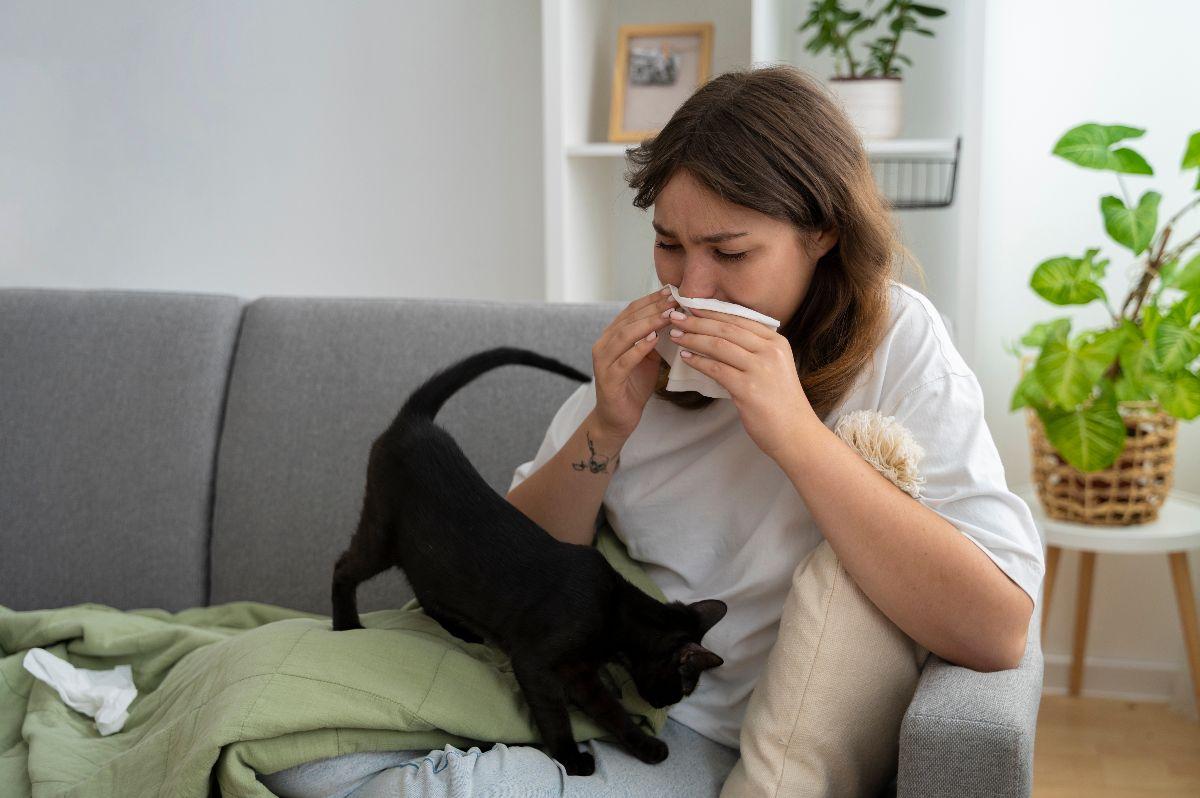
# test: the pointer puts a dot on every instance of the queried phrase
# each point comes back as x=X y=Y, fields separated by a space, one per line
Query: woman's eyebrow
x=715 y=238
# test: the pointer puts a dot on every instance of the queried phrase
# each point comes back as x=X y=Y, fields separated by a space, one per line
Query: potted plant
x=1102 y=404
x=870 y=91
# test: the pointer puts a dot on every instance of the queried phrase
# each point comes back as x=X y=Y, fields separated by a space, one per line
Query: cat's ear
x=694 y=658
x=709 y=611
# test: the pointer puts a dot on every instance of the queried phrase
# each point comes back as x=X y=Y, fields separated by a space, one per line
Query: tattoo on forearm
x=596 y=463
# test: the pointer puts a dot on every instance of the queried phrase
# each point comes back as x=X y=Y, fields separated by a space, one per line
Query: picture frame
x=656 y=69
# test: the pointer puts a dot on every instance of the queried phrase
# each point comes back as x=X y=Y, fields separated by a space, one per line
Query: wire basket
x=1130 y=491
x=917 y=181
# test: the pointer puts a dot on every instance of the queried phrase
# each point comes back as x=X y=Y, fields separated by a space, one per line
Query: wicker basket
x=1128 y=492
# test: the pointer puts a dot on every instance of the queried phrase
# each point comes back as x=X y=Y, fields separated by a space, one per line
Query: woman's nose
x=698 y=281
x=697 y=289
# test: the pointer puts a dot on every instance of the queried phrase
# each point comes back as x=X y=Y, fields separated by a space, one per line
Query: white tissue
x=104 y=695
x=683 y=377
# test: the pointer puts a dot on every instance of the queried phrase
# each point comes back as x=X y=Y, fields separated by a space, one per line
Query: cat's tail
x=427 y=400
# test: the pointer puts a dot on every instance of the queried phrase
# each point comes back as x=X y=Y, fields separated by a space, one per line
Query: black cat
x=485 y=570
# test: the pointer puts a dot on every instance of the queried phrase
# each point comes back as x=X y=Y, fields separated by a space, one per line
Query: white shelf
x=874 y=147
x=910 y=147
x=599 y=149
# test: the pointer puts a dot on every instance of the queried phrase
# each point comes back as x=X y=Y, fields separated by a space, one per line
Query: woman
x=763 y=196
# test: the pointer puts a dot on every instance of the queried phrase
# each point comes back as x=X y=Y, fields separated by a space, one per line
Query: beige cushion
x=824 y=718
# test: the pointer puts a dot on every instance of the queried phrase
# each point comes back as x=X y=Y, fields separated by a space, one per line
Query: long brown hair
x=774 y=140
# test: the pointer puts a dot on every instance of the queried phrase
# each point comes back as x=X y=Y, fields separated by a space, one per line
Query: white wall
x=271 y=147
x=1049 y=67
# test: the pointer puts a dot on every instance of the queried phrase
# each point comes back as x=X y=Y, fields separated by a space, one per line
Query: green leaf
x=928 y=11
x=1167 y=272
x=1191 y=156
x=1088 y=145
x=1129 y=227
x=1150 y=318
x=1180 y=395
x=1046 y=330
x=1175 y=345
x=1137 y=357
x=1068 y=372
x=1128 y=389
x=1133 y=333
x=1182 y=311
x=1089 y=439
x=1187 y=278
x=1103 y=347
x=1028 y=392
x=1069 y=281
x=1062 y=375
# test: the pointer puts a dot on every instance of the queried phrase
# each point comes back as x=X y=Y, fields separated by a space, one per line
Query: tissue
x=683 y=377
x=103 y=695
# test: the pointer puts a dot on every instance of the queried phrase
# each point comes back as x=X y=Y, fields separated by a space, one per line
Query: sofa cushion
x=110 y=402
x=315 y=381
x=824 y=718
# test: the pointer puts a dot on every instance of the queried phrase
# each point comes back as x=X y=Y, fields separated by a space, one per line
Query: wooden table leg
x=1052 y=554
x=1187 y=616
x=1083 y=605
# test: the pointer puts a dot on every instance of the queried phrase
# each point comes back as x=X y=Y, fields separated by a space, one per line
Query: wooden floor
x=1103 y=748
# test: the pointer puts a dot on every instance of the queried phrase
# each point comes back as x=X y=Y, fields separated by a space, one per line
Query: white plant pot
x=874 y=105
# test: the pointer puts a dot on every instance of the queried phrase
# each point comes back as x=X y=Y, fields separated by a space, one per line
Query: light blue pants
x=696 y=767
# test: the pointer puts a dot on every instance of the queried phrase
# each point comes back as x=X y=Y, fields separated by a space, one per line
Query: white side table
x=1176 y=530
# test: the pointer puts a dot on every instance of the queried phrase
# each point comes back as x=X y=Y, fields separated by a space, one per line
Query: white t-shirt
x=711 y=516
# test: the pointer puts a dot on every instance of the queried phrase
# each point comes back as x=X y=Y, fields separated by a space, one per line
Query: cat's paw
x=342 y=625
x=650 y=750
x=579 y=763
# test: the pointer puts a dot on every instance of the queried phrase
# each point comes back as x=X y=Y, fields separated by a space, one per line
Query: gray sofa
x=175 y=450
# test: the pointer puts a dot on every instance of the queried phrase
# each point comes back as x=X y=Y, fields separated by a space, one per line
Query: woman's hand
x=755 y=364
x=626 y=364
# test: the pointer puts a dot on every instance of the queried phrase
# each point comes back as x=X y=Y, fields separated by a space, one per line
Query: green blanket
x=230 y=690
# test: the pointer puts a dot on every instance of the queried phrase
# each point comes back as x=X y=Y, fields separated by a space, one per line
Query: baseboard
x=1124 y=679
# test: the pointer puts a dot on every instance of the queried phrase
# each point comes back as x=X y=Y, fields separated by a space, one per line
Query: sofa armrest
x=968 y=733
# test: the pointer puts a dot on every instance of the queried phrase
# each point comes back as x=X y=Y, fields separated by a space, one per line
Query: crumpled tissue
x=683 y=377
x=103 y=695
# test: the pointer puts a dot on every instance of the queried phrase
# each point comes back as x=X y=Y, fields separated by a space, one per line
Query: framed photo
x=657 y=68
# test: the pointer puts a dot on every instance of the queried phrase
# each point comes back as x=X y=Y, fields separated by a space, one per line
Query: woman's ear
x=825 y=241
x=816 y=243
